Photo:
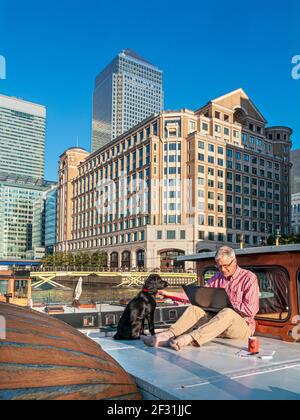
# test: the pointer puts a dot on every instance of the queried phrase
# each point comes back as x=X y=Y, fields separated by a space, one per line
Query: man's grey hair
x=225 y=252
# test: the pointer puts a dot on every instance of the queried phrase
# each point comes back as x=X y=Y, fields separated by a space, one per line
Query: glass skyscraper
x=127 y=91
x=44 y=221
x=22 y=137
x=18 y=195
x=50 y=219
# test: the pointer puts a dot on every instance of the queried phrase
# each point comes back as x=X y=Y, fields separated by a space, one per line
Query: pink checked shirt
x=243 y=292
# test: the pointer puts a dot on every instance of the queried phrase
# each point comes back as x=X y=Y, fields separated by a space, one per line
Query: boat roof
x=245 y=251
x=212 y=372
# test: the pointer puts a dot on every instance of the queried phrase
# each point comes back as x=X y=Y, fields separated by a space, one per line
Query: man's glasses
x=226 y=266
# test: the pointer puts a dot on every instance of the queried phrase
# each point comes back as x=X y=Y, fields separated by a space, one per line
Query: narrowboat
x=216 y=371
x=42 y=358
x=15 y=287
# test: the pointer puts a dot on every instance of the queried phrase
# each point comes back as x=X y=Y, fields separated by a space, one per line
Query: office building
x=296 y=214
x=22 y=137
x=178 y=183
x=50 y=219
x=126 y=92
x=295 y=174
x=18 y=194
x=44 y=222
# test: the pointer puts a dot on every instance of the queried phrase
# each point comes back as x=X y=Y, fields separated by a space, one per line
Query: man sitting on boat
x=196 y=327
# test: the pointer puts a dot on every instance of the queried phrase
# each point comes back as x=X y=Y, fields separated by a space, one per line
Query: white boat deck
x=104 y=307
x=213 y=372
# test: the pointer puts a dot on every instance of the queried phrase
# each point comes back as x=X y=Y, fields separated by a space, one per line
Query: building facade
x=22 y=137
x=126 y=92
x=44 y=222
x=295 y=175
x=296 y=214
x=50 y=220
x=67 y=171
x=18 y=194
x=179 y=183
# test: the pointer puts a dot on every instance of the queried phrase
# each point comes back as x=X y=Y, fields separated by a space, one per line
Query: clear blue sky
x=54 y=49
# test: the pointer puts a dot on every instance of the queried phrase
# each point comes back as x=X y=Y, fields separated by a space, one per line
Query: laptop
x=208 y=298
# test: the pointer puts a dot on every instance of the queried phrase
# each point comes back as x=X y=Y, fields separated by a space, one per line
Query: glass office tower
x=126 y=92
x=50 y=220
x=295 y=171
x=18 y=195
x=22 y=137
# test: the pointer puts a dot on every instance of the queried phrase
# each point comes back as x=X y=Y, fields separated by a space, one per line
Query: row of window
x=121 y=147
x=171 y=235
x=111 y=240
x=231 y=238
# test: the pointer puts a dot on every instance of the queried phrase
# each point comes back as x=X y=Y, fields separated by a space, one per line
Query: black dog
x=131 y=324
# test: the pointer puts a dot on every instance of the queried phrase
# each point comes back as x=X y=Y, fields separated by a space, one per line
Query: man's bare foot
x=181 y=341
x=156 y=340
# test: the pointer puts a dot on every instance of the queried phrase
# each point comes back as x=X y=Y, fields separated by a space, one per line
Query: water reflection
x=91 y=292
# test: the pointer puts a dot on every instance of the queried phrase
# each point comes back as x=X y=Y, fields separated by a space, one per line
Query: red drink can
x=253 y=345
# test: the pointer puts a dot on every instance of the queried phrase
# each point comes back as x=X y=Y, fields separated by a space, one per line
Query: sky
x=55 y=49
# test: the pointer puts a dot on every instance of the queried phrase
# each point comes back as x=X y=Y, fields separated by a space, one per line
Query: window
x=192 y=125
x=171 y=234
x=211 y=221
x=298 y=289
x=3 y=287
x=211 y=171
x=201 y=219
x=274 y=293
x=236 y=134
x=89 y=321
x=201 y=235
x=211 y=195
x=182 y=234
x=201 y=157
x=220 y=162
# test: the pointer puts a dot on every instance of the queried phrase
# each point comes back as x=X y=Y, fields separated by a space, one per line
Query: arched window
x=168 y=260
x=126 y=260
x=114 y=260
x=140 y=258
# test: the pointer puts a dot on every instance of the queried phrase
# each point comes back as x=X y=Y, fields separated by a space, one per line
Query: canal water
x=90 y=292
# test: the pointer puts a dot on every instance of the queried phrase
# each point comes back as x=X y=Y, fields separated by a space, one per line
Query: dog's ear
x=151 y=284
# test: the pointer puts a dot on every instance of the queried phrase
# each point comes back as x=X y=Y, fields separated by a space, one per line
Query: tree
x=77 y=260
x=47 y=261
x=103 y=260
x=58 y=259
x=284 y=240
x=95 y=259
x=85 y=259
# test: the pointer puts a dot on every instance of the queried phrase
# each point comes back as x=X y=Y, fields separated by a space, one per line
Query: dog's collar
x=146 y=290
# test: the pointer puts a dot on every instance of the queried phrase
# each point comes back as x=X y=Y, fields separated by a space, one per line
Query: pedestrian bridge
x=117 y=279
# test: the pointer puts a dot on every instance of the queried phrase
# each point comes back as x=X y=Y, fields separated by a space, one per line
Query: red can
x=253 y=345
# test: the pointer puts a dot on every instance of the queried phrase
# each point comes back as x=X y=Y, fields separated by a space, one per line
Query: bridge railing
x=93 y=269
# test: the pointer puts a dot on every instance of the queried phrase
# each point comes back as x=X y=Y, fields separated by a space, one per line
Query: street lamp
x=241 y=241
x=278 y=236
